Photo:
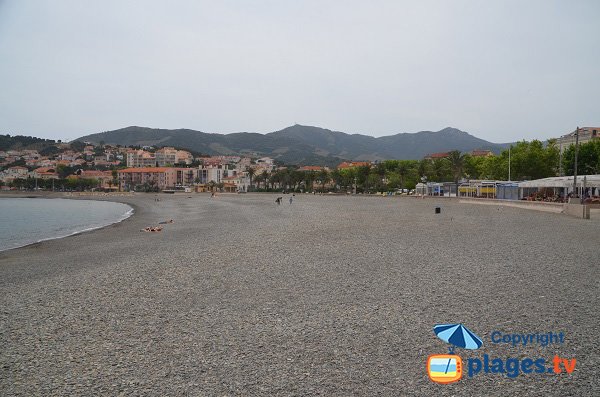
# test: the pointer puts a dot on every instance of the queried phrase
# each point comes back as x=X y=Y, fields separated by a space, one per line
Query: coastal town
x=79 y=166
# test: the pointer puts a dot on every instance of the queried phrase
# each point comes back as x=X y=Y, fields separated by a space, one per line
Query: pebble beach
x=327 y=296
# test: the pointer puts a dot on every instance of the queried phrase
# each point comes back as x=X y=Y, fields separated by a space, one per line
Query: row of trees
x=534 y=160
x=74 y=184
x=528 y=160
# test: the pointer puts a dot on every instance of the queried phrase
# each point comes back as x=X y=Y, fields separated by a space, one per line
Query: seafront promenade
x=331 y=296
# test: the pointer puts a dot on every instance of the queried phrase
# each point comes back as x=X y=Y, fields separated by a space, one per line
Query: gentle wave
x=21 y=225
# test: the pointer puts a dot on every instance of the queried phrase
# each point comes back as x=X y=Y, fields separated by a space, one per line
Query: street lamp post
x=560 y=160
x=575 y=195
x=509 y=162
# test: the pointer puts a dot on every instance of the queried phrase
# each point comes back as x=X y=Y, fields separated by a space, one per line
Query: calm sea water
x=24 y=221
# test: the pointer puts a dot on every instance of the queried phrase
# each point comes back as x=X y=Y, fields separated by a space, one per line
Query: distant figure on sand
x=151 y=229
x=291 y=199
x=278 y=200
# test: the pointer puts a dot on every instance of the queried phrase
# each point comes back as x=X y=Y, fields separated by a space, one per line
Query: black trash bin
x=438 y=210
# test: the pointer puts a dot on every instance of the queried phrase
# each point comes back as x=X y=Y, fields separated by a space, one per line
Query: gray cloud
x=502 y=70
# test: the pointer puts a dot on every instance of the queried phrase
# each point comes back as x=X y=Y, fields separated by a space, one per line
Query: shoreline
x=127 y=215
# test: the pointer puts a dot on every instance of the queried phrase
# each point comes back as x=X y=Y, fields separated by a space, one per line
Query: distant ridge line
x=301 y=145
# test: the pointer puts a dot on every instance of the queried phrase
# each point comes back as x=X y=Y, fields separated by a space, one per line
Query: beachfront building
x=105 y=178
x=478 y=188
x=507 y=191
x=163 y=157
x=560 y=187
x=186 y=176
x=429 y=189
x=164 y=178
x=240 y=181
x=155 y=177
x=228 y=185
x=554 y=189
x=211 y=173
x=586 y=134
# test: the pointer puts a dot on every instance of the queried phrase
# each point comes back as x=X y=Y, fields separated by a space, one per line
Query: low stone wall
x=532 y=205
x=98 y=194
x=577 y=210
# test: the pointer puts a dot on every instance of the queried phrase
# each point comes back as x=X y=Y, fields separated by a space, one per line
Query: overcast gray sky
x=501 y=70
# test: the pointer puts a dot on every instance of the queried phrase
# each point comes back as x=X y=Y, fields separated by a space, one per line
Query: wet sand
x=331 y=296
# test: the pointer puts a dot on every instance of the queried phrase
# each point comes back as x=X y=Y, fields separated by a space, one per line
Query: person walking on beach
x=291 y=199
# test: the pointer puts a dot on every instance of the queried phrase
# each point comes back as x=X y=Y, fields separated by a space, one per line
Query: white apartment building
x=16 y=172
x=166 y=156
x=140 y=158
x=211 y=174
x=586 y=134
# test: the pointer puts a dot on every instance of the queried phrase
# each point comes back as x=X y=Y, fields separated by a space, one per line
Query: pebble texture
x=328 y=296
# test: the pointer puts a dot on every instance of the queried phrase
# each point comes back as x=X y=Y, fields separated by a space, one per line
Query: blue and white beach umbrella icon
x=458 y=335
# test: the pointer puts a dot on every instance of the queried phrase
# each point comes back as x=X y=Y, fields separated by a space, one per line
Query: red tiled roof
x=310 y=168
x=94 y=173
x=44 y=170
x=147 y=169
x=354 y=164
x=439 y=155
x=480 y=153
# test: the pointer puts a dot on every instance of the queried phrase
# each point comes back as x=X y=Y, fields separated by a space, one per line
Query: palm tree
x=402 y=171
x=284 y=178
x=324 y=178
x=258 y=178
x=273 y=179
x=251 y=173
x=337 y=178
x=457 y=164
x=212 y=185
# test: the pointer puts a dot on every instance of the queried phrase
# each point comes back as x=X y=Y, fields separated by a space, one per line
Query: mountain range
x=299 y=144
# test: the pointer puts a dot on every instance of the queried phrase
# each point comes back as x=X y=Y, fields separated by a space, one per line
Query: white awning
x=563 y=181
